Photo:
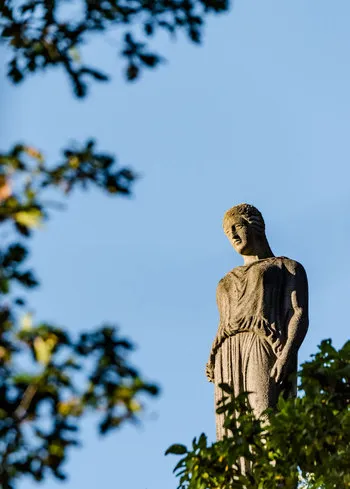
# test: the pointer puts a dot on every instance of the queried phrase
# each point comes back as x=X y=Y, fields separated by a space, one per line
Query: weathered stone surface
x=263 y=307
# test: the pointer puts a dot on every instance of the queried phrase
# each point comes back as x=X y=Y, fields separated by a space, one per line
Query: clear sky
x=259 y=114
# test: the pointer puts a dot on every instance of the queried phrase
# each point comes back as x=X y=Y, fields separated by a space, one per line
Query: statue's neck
x=263 y=251
x=249 y=259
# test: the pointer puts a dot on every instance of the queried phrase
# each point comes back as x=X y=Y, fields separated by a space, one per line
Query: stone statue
x=263 y=307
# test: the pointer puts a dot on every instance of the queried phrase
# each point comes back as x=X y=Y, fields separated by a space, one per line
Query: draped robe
x=255 y=308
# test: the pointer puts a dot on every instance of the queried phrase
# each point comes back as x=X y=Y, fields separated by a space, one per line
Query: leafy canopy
x=47 y=33
x=305 y=443
x=49 y=380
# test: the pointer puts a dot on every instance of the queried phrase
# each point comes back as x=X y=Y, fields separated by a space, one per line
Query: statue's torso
x=257 y=298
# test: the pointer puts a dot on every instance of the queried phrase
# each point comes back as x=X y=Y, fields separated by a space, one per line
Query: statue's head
x=245 y=228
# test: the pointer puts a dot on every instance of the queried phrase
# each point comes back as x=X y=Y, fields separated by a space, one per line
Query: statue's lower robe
x=244 y=361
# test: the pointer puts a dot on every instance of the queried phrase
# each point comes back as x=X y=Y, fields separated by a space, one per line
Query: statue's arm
x=223 y=307
x=297 y=326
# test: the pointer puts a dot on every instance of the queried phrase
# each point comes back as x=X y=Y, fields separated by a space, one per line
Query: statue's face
x=241 y=236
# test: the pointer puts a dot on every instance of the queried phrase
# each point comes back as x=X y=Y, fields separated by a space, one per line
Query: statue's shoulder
x=231 y=273
x=226 y=282
x=293 y=266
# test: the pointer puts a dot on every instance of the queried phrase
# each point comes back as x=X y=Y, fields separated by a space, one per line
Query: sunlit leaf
x=31 y=218
x=43 y=350
x=27 y=322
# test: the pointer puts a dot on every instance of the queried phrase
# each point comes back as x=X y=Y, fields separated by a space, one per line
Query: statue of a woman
x=263 y=308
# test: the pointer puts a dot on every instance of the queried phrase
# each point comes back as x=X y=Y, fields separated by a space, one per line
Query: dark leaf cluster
x=46 y=33
x=24 y=175
x=50 y=381
x=43 y=404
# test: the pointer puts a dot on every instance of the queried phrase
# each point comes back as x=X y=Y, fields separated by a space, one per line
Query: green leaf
x=176 y=449
x=226 y=388
x=202 y=442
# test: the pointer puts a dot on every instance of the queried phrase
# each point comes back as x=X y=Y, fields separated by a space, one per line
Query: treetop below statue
x=263 y=308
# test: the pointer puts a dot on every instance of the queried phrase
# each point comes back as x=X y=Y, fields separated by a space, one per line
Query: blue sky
x=259 y=114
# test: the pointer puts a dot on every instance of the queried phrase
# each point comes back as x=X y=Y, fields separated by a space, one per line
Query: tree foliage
x=49 y=380
x=47 y=33
x=305 y=443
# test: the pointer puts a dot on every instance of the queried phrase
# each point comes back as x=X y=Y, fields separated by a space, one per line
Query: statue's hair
x=249 y=213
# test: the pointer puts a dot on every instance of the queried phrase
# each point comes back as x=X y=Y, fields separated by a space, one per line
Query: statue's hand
x=209 y=372
x=279 y=370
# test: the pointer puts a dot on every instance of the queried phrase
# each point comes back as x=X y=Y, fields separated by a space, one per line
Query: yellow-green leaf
x=42 y=350
x=31 y=218
x=27 y=321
